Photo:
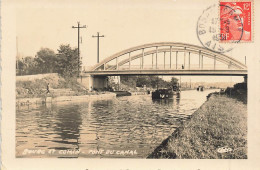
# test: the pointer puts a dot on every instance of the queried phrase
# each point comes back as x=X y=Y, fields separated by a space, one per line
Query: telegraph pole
x=78 y=27
x=98 y=36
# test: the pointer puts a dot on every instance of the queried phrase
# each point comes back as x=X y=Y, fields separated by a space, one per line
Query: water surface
x=123 y=127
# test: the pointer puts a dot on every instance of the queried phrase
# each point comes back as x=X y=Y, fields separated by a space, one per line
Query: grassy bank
x=35 y=86
x=219 y=122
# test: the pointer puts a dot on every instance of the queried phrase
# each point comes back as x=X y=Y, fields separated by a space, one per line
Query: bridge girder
x=220 y=59
x=171 y=47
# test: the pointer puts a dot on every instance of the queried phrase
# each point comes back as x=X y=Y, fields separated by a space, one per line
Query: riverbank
x=37 y=86
x=217 y=130
x=32 y=89
x=43 y=100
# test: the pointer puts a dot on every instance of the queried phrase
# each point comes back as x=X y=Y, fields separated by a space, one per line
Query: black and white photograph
x=130 y=83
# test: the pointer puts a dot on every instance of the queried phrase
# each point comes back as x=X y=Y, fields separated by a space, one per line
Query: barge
x=166 y=93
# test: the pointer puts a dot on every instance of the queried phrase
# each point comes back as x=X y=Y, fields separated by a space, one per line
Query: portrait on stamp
x=236 y=21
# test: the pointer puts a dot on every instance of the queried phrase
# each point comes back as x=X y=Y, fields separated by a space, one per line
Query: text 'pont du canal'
x=78 y=151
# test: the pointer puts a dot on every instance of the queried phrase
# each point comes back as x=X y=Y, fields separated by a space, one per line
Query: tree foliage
x=129 y=80
x=26 y=66
x=148 y=81
x=173 y=82
x=46 y=61
x=67 y=61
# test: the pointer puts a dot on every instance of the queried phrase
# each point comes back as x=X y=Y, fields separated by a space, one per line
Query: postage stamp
x=235 y=21
x=221 y=26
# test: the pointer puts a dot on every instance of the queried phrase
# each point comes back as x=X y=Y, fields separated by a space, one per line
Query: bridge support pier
x=93 y=82
x=245 y=79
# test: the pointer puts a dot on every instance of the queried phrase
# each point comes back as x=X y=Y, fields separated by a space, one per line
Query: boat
x=200 y=88
x=122 y=93
x=166 y=93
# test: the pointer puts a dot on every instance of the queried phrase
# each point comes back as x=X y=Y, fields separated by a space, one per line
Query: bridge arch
x=171 y=48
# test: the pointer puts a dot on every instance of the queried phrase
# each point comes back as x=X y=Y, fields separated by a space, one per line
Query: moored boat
x=162 y=94
x=166 y=93
x=200 y=88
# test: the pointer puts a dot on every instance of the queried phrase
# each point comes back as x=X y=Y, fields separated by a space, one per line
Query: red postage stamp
x=236 y=21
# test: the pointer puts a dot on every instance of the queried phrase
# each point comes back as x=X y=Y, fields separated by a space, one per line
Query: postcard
x=125 y=85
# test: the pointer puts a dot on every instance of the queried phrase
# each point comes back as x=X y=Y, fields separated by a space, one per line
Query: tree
x=173 y=82
x=46 y=61
x=129 y=80
x=25 y=66
x=67 y=61
x=29 y=65
x=20 y=67
x=148 y=81
x=143 y=80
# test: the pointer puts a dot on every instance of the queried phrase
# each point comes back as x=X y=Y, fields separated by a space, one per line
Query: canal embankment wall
x=33 y=89
x=43 y=100
x=217 y=130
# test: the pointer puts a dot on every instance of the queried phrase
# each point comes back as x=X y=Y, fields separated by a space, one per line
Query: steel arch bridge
x=168 y=58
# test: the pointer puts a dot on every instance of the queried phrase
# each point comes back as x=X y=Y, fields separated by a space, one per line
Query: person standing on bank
x=48 y=88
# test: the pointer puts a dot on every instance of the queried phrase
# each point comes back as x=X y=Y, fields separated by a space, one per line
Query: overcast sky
x=124 y=24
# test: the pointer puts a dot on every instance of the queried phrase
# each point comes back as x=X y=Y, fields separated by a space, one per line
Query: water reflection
x=126 y=123
x=67 y=127
x=169 y=102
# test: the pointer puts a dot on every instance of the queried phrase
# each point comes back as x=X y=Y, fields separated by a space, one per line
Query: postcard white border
x=8 y=53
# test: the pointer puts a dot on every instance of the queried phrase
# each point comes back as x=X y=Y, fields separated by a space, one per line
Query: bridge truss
x=168 y=58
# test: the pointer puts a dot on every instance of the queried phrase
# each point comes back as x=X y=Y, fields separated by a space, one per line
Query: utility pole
x=98 y=36
x=78 y=27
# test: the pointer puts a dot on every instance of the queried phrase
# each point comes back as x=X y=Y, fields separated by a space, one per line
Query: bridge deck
x=226 y=72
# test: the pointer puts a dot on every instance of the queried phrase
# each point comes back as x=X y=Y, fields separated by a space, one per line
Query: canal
x=123 y=127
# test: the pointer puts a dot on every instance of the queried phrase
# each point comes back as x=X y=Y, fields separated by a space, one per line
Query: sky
x=125 y=24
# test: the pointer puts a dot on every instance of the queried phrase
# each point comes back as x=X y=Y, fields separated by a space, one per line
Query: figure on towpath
x=48 y=88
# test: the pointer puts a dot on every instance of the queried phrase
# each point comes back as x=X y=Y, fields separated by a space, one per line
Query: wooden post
x=98 y=36
x=79 y=27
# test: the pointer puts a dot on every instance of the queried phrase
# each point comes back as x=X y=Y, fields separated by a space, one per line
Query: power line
x=79 y=27
x=98 y=36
